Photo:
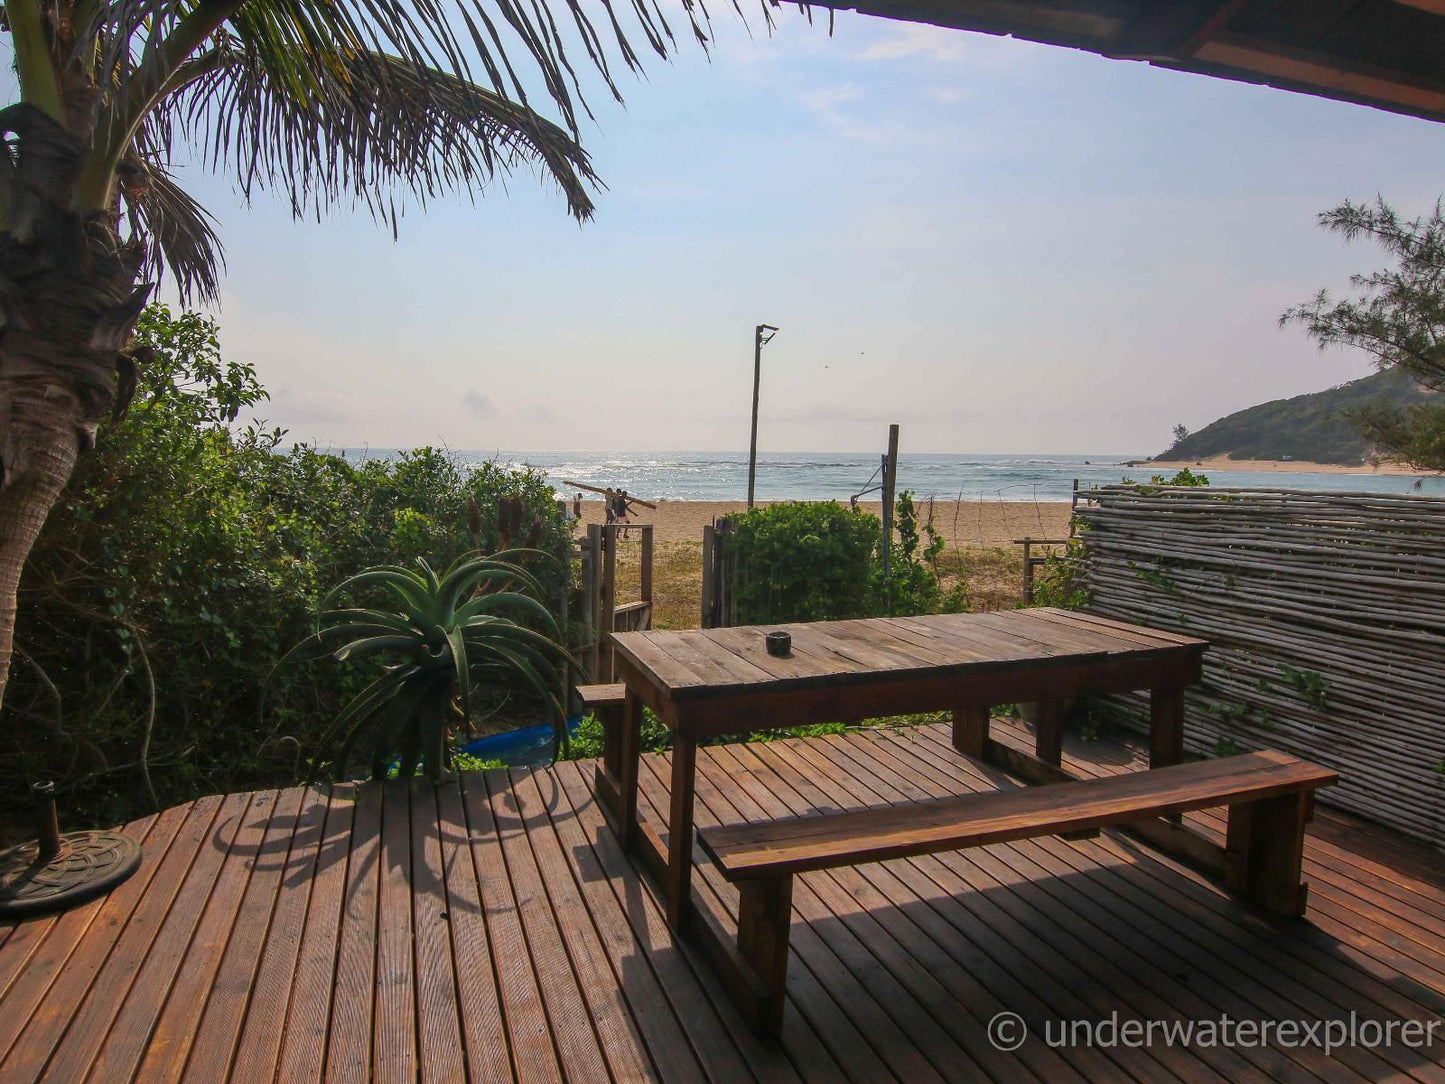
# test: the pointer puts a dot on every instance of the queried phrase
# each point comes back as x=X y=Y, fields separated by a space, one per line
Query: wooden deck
x=493 y=930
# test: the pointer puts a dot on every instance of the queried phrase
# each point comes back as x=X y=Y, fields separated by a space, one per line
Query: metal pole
x=758 y=341
x=47 y=824
x=890 y=476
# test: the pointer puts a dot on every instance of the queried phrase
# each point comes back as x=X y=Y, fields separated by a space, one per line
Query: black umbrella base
x=88 y=865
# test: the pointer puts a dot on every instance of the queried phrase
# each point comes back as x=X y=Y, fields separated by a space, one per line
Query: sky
x=1005 y=247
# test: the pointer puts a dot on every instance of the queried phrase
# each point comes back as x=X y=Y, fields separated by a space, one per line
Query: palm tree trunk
x=41 y=427
x=68 y=304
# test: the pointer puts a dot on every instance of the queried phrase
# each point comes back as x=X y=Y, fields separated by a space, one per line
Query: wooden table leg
x=1166 y=726
x=1049 y=731
x=970 y=730
x=628 y=754
x=1166 y=731
x=679 y=830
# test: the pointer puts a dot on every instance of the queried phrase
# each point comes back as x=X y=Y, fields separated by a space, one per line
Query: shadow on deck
x=494 y=930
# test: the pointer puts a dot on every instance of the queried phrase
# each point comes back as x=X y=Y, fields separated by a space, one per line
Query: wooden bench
x=1269 y=795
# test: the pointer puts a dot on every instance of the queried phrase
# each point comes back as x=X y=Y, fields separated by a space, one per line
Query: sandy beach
x=962 y=524
x=1276 y=466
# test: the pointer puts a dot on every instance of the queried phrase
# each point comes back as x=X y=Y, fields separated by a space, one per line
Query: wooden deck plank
x=573 y=1031
x=348 y=1040
x=533 y=1053
x=394 y=1036
x=616 y=1031
x=1320 y=942
x=214 y=1047
x=1225 y=934
x=270 y=1002
x=441 y=1055
x=170 y=1042
x=137 y=1015
x=479 y=1006
x=538 y=799
x=57 y=974
x=303 y=1046
x=1230 y=974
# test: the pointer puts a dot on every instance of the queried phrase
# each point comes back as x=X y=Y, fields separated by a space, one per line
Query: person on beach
x=618 y=508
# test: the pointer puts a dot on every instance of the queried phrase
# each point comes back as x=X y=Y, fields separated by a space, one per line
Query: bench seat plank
x=797 y=844
x=595 y=696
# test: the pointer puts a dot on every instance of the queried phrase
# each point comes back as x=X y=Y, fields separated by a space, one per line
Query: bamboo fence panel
x=1326 y=616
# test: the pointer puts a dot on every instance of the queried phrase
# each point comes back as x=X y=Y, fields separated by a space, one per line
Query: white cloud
x=917 y=40
x=828 y=105
x=480 y=405
x=949 y=95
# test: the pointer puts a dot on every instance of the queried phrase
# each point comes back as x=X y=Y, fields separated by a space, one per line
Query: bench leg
x=610 y=717
x=608 y=776
x=629 y=749
x=970 y=731
x=765 y=910
x=1266 y=852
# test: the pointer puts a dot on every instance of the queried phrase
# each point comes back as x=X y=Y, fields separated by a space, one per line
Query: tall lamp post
x=762 y=335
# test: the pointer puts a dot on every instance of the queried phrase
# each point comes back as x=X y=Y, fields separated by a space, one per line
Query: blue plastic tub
x=529 y=747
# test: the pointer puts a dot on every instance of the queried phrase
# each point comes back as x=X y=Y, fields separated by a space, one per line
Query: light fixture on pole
x=762 y=335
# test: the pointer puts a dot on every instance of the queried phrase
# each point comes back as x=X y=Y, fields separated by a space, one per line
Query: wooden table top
x=703 y=663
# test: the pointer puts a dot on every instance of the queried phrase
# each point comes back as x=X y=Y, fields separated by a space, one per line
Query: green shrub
x=187 y=555
x=820 y=561
x=805 y=562
x=1060 y=581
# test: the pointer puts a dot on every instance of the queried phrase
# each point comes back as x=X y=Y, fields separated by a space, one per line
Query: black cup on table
x=778 y=643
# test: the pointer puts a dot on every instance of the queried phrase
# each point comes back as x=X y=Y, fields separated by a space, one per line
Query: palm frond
x=182 y=232
x=365 y=127
x=367 y=100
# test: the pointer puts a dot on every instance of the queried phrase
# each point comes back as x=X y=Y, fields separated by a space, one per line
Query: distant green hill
x=1307 y=427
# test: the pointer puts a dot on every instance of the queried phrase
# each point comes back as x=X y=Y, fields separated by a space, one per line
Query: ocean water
x=723 y=476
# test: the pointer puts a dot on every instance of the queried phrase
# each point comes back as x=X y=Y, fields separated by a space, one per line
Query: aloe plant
x=444 y=637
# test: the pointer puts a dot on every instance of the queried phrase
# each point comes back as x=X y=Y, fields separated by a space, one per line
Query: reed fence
x=1326 y=615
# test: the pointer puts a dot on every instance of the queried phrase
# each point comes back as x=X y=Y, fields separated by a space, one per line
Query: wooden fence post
x=709 y=575
x=608 y=610
x=890 y=469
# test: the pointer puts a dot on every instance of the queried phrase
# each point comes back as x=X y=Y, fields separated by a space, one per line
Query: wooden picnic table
x=710 y=682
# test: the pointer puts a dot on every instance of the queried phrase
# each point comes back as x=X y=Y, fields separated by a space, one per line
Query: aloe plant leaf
x=407 y=584
x=502 y=600
x=342 y=619
x=463 y=669
x=370 y=645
